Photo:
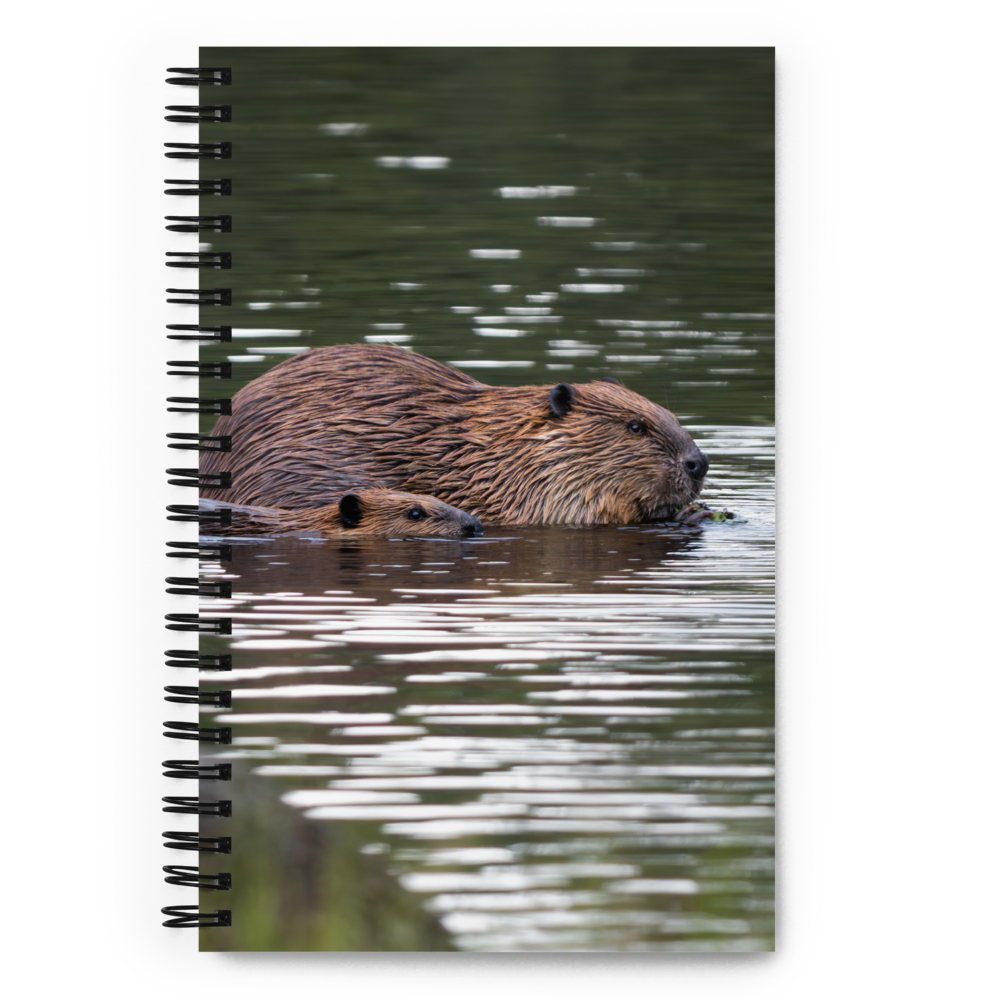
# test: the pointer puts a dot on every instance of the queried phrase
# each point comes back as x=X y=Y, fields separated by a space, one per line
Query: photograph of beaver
x=376 y=512
x=356 y=415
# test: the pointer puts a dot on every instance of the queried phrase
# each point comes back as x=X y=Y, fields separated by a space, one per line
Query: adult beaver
x=360 y=512
x=323 y=422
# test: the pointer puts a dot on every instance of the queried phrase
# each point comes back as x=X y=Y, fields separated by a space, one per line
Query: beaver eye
x=637 y=428
x=416 y=514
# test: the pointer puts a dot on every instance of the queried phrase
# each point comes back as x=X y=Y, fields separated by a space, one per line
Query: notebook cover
x=553 y=737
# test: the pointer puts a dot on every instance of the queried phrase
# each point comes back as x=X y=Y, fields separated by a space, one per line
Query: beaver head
x=392 y=514
x=602 y=454
x=593 y=453
x=326 y=422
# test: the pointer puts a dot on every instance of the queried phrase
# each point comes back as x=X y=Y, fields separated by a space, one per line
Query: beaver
x=360 y=512
x=325 y=421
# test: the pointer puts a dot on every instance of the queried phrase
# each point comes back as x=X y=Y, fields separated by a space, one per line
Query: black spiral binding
x=188 y=875
x=217 y=185
x=194 y=114
x=201 y=76
x=202 y=442
x=203 y=369
x=202 y=296
x=221 y=518
x=200 y=150
x=193 y=587
x=220 y=261
x=201 y=550
x=218 y=407
x=194 y=478
x=200 y=223
x=213 y=334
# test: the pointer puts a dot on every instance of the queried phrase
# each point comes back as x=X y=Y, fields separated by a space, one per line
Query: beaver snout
x=696 y=464
x=472 y=527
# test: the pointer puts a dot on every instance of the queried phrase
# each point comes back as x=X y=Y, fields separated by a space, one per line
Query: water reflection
x=554 y=738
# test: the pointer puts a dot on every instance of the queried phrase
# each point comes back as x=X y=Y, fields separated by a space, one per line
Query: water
x=547 y=738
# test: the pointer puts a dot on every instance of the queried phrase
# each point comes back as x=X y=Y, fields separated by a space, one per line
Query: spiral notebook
x=483 y=414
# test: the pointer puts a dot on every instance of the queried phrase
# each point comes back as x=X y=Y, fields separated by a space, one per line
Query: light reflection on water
x=563 y=737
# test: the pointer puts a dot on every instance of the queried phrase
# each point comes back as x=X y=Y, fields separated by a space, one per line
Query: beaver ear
x=607 y=378
x=350 y=511
x=561 y=399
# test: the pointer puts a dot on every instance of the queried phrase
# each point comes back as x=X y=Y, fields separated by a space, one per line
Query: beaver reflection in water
x=362 y=512
x=327 y=421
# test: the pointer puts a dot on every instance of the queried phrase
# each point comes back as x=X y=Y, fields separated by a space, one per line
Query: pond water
x=547 y=738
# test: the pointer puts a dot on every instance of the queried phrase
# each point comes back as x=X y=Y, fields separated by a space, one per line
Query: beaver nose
x=472 y=527
x=696 y=464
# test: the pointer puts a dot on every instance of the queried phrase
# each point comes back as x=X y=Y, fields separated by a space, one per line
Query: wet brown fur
x=318 y=424
x=375 y=512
